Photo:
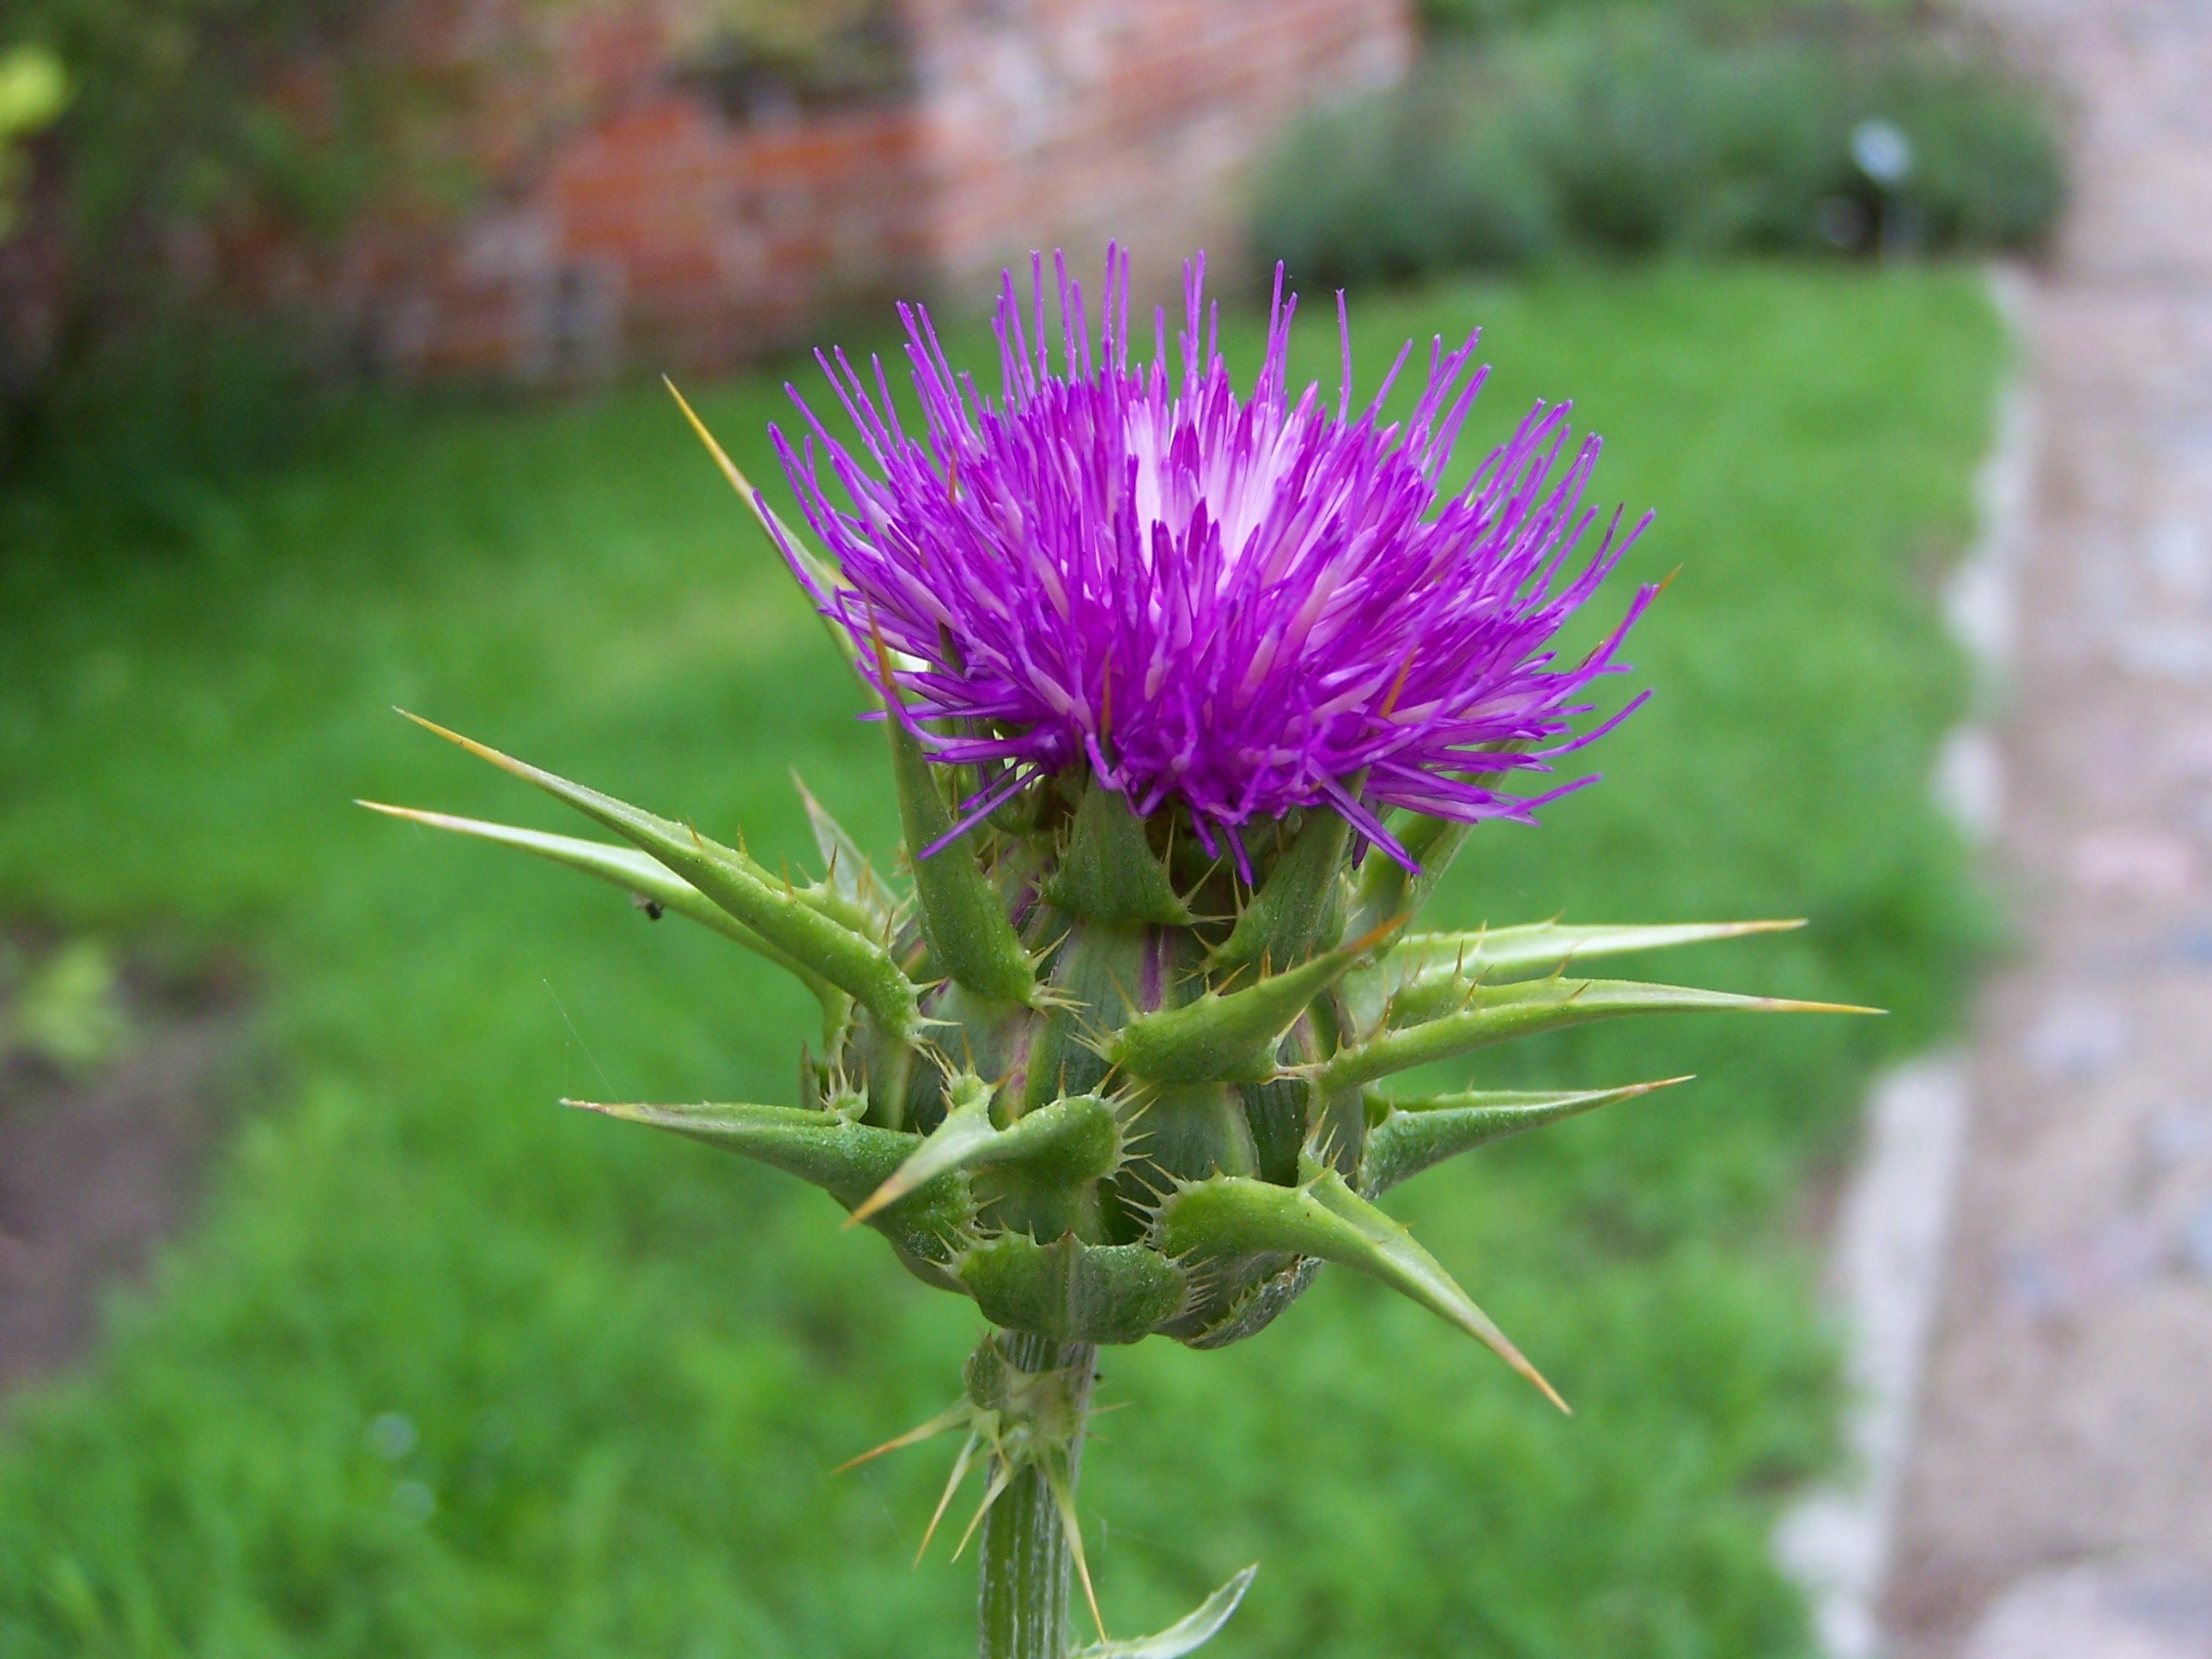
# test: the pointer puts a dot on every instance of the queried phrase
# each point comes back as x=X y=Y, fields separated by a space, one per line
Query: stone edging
x=1887 y=1272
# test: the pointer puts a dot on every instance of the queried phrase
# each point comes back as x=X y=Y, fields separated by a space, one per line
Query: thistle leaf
x=1108 y=872
x=1075 y=1138
x=1186 y=1635
x=965 y=1131
x=846 y=1159
x=1410 y=1135
x=1546 y=944
x=1254 y=1308
x=847 y=868
x=625 y=867
x=961 y=915
x=1071 y=1292
x=1430 y=966
x=1387 y=889
x=1229 y=1036
x=1301 y=904
x=794 y=922
x=1486 y=1014
x=1235 y=1215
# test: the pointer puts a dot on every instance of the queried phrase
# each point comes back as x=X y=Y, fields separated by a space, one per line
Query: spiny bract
x=1156 y=664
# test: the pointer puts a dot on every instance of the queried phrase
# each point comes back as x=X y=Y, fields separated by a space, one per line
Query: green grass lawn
x=631 y=1362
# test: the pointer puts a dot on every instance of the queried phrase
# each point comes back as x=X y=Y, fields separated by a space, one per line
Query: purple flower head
x=1243 y=604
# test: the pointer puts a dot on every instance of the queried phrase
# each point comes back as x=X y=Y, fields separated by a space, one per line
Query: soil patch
x=98 y=1166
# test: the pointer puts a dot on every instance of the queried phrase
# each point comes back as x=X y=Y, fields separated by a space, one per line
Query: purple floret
x=1243 y=604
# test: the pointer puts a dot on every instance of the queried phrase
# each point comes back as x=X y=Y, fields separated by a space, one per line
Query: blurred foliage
x=202 y=136
x=33 y=91
x=446 y=1370
x=1467 y=18
x=64 y=1007
x=1637 y=130
x=195 y=126
x=188 y=113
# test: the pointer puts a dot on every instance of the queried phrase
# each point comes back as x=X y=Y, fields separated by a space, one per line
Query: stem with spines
x=1021 y=1601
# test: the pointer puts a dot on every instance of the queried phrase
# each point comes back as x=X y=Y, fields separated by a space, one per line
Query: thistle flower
x=1240 y=605
x=1156 y=661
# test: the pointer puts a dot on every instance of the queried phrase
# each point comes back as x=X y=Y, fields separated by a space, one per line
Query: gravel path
x=2059 y=1502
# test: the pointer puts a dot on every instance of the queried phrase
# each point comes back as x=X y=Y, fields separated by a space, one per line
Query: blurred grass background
x=446 y=1370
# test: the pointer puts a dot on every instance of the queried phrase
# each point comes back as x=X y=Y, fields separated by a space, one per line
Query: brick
x=1054 y=124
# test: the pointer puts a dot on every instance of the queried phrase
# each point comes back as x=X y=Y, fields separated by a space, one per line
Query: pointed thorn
x=960 y=1465
x=1001 y=1477
x=481 y=752
x=1513 y=1357
x=1064 y=1501
x=885 y=1196
x=737 y=481
x=916 y=1436
x=1376 y=934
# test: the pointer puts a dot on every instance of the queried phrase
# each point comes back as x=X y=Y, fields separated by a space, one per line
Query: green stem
x=1022 y=1603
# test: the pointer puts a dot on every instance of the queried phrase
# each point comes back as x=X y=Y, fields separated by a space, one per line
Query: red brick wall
x=1067 y=122
x=663 y=234
x=727 y=238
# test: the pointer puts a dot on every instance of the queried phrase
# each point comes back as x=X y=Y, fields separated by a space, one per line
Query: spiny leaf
x=626 y=867
x=846 y=1159
x=1079 y=1130
x=1235 y=1215
x=1486 y=1014
x=1228 y=1037
x=1186 y=1635
x=1546 y=943
x=819 y=571
x=1410 y=1135
x=961 y=915
x=1108 y=872
x=796 y=923
x=1070 y=1290
x=1385 y=888
x=965 y=1131
x=1301 y=904
x=847 y=868
x=1427 y=965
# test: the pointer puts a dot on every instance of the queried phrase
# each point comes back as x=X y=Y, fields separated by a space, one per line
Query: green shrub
x=1986 y=168
x=1455 y=189
x=1638 y=131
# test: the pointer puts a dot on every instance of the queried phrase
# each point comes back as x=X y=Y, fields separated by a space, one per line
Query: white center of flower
x=1235 y=476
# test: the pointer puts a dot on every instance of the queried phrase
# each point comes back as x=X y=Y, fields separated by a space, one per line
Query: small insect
x=651 y=906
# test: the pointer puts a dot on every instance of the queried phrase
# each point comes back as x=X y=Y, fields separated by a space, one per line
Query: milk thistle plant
x=1191 y=696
